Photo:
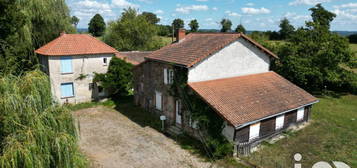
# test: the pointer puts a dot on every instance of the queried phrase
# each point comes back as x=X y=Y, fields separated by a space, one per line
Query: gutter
x=251 y=122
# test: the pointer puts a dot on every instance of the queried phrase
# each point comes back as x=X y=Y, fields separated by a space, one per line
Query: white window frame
x=254 y=131
x=279 y=122
x=158 y=100
x=193 y=124
x=300 y=114
x=168 y=76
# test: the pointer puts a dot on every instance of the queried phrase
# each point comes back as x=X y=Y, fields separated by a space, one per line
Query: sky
x=253 y=14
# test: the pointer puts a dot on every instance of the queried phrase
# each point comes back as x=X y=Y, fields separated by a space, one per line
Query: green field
x=331 y=136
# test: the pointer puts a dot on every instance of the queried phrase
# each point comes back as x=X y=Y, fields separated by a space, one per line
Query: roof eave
x=270 y=116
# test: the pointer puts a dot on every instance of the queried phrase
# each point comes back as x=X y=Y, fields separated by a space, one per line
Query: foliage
x=151 y=17
x=208 y=120
x=96 y=25
x=353 y=38
x=119 y=78
x=27 y=25
x=313 y=56
x=330 y=136
x=178 y=24
x=286 y=29
x=226 y=25
x=240 y=29
x=35 y=131
x=273 y=35
x=164 y=30
x=194 y=25
x=132 y=32
x=74 y=21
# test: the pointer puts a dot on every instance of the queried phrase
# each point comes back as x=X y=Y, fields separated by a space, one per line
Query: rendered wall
x=81 y=64
x=236 y=59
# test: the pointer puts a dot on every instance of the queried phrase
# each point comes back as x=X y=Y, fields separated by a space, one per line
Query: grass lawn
x=331 y=136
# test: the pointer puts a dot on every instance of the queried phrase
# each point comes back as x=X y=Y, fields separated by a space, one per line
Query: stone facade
x=81 y=64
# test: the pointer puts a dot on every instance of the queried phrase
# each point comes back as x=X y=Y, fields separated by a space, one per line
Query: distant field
x=331 y=136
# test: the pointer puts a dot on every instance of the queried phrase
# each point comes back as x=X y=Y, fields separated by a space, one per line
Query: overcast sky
x=254 y=15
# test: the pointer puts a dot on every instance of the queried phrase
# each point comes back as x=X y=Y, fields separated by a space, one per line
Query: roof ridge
x=226 y=78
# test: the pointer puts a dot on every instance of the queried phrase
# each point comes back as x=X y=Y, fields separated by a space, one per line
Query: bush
x=34 y=130
x=119 y=78
x=352 y=38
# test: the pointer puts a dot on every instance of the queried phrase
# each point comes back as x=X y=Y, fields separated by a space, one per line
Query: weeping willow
x=34 y=130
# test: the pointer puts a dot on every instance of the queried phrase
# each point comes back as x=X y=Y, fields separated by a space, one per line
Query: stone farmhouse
x=70 y=62
x=231 y=73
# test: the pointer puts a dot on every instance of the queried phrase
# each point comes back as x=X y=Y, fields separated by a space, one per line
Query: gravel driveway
x=111 y=140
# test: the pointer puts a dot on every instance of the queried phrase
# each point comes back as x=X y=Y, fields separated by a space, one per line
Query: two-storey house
x=71 y=61
x=231 y=73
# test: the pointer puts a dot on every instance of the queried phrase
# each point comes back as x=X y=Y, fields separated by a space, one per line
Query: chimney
x=180 y=35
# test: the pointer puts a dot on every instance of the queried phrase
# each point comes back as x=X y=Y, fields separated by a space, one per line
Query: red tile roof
x=248 y=98
x=197 y=46
x=133 y=57
x=75 y=44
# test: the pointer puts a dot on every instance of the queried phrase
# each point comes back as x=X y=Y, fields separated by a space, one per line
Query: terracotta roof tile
x=75 y=44
x=133 y=57
x=197 y=46
x=248 y=98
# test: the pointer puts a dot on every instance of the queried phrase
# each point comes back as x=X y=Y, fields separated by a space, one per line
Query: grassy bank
x=331 y=136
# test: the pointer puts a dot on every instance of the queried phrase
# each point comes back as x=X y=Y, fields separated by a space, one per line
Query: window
x=254 y=131
x=279 y=122
x=105 y=61
x=168 y=76
x=91 y=86
x=158 y=100
x=178 y=107
x=300 y=114
x=67 y=90
x=193 y=124
x=66 y=65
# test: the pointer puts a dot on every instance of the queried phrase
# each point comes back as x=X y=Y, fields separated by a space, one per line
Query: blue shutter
x=67 y=90
x=66 y=65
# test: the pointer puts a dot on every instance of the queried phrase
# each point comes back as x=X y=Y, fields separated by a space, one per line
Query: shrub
x=119 y=78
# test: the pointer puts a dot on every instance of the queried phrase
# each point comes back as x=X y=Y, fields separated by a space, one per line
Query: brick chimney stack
x=180 y=35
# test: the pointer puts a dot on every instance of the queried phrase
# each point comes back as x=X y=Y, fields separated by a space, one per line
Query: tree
x=313 y=56
x=119 y=78
x=132 y=32
x=352 y=38
x=240 y=29
x=286 y=29
x=178 y=24
x=75 y=21
x=96 y=25
x=226 y=25
x=151 y=17
x=194 y=25
x=27 y=25
x=164 y=30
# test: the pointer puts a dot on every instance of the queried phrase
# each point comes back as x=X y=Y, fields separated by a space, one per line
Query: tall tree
x=178 y=23
x=132 y=32
x=226 y=25
x=240 y=29
x=313 y=56
x=96 y=25
x=151 y=17
x=286 y=29
x=194 y=25
x=75 y=21
x=27 y=25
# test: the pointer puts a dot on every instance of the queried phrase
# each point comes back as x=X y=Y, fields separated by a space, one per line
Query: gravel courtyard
x=111 y=140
